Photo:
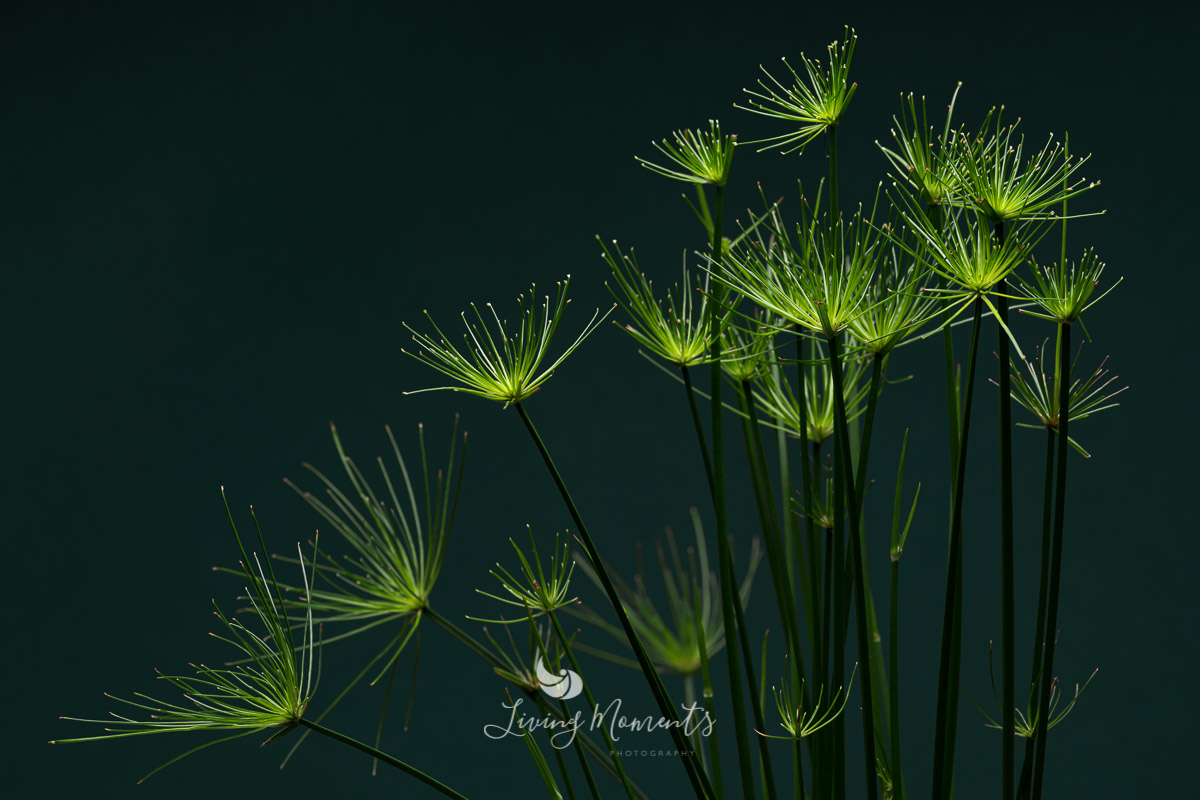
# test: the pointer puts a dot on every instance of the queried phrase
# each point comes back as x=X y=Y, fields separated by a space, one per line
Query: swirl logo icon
x=563 y=686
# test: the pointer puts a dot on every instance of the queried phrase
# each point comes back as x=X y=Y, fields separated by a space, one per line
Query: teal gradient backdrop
x=216 y=217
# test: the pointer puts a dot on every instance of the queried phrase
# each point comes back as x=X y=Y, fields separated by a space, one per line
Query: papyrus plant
x=801 y=324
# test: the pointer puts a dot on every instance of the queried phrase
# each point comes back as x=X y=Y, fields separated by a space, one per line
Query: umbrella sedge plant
x=794 y=317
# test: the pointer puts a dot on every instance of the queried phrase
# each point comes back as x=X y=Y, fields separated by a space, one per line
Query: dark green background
x=215 y=218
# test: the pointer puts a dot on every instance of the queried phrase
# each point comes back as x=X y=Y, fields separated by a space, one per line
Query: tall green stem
x=946 y=720
x=858 y=562
x=761 y=481
x=729 y=618
x=834 y=208
x=730 y=603
x=868 y=426
x=691 y=396
x=952 y=404
x=1039 y=641
x=894 y=679
x=714 y=749
x=1045 y=689
x=879 y=680
x=384 y=757
x=691 y=764
x=809 y=469
x=838 y=602
x=1008 y=636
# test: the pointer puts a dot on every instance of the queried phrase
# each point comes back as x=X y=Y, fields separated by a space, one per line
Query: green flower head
x=495 y=361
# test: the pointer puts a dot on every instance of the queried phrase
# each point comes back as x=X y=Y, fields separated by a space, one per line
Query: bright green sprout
x=1038 y=394
x=778 y=401
x=745 y=354
x=399 y=546
x=800 y=723
x=502 y=366
x=999 y=186
x=700 y=156
x=1026 y=725
x=900 y=535
x=519 y=668
x=270 y=689
x=965 y=252
x=823 y=506
x=1063 y=291
x=923 y=161
x=817 y=105
x=886 y=783
x=813 y=282
x=678 y=330
x=671 y=643
x=896 y=305
x=537 y=591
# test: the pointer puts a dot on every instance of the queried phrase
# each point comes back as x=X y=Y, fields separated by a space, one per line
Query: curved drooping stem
x=696 y=775
x=605 y=760
x=565 y=641
x=384 y=757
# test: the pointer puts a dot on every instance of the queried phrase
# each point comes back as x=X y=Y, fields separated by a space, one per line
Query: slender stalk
x=591 y=701
x=838 y=603
x=894 y=679
x=691 y=396
x=858 y=562
x=946 y=720
x=1008 y=634
x=1039 y=641
x=879 y=680
x=761 y=481
x=806 y=479
x=826 y=738
x=384 y=757
x=695 y=774
x=714 y=749
x=730 y=602
x=793 y=537
x=1060 y=510
x=764 y=750
x=952 y=405
x=799 y=790
x=827 y=606
x=868 y=426
x=729 y=617
x=1048 y=635
x=834 y=208
x=896 y=550
x=588 y=778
